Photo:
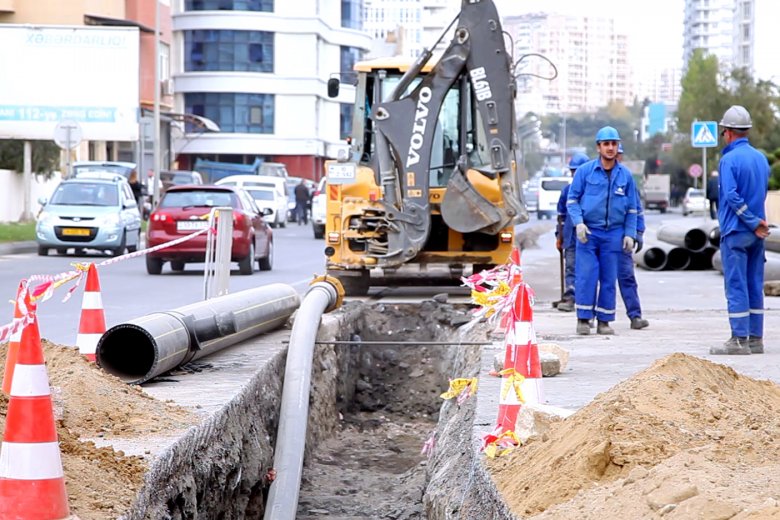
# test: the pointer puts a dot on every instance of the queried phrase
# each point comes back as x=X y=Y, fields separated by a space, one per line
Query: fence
x=12 y=193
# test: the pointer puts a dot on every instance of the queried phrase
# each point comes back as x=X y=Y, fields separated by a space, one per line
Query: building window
x=350 y=56
x=229 y=5
x=234 y=112
x=352 y=14
x=210 y=50
x=345 y=119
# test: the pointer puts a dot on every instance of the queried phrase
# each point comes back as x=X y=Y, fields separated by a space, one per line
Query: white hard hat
x=736 y=117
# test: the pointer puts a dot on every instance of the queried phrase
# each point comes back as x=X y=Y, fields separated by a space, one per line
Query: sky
x=654 y=27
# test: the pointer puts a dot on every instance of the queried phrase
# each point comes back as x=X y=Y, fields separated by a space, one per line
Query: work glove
x=628 y=244
x=582 y=233
x=762 y=231
x=639 y=242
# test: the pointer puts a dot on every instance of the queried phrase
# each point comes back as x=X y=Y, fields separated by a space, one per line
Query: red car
x=180 y=213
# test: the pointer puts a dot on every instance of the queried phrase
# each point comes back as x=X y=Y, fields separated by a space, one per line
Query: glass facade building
x=225 y=50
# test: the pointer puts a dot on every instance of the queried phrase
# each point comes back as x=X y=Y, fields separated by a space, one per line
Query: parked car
x=263 y=181
x=694 y=201
x=269 y=199
x=181 y=211
x=120 y=167
x=89 y=212
x=179 y=177
x=318 y=209
x=548 y=193
x=273 y=169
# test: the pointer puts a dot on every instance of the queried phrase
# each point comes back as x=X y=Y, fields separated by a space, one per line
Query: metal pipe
x=694 y=238
x=282 y=503
x=143 y=348
x=652 y=257
x=677 y=258
x=714 y=236
x=702 y=260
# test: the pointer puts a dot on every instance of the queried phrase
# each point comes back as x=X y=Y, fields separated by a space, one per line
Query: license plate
x=75 y=232
x=341 y=173
x=191 y=225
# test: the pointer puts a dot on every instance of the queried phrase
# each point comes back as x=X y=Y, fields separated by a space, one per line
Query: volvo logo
x=420 y=121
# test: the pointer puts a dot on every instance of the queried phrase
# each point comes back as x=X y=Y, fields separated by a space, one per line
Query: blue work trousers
x=596 y=274
x=569 y=256
x=628 y=286
x=742 y=254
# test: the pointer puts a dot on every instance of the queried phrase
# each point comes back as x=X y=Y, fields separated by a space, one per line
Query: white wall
x=12 y=193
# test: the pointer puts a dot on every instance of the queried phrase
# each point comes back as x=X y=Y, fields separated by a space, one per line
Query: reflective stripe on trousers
x=743 y=277
x=596 y=274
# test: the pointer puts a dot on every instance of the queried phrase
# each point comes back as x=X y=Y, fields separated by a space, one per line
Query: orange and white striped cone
x=13 y=343
x=32 y=482
x=93 y=322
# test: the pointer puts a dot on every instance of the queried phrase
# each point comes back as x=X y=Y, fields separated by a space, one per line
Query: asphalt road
x=129 y=292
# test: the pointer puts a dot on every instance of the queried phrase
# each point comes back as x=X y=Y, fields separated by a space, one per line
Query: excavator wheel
x=355 y=283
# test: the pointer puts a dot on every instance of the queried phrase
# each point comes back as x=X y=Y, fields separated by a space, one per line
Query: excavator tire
x=355 y=283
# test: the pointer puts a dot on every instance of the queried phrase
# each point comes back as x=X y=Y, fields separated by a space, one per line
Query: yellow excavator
x=431 y=177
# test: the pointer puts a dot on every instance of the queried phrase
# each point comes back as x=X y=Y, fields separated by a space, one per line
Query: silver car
x=92 y=213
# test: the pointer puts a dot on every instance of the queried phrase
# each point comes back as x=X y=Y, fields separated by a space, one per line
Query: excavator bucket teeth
x=464 y=209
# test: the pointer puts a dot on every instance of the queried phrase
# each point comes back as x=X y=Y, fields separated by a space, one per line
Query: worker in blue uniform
x=566 y=239
x=629 y=289
x=602 y=205
x=743 y=184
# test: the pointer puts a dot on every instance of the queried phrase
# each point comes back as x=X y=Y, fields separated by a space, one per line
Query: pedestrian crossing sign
x=704 y=134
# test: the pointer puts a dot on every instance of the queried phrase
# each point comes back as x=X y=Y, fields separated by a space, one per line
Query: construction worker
x=602 y=206
x=744 y=180
x=566 y=239
x=626 y=277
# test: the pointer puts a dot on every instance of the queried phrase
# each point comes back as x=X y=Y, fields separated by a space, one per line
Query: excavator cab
x=431 y=177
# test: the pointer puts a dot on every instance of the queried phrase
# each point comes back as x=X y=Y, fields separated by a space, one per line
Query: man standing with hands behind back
x=744 y=180
x=602 y=205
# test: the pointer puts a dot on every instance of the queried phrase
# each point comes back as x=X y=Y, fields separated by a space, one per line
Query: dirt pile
x=684 y=439
x=89 y=403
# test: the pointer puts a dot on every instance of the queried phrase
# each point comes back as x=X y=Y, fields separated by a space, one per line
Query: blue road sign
x=704 y=134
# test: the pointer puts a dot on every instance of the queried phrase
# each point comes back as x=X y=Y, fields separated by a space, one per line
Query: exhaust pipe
x=143 y=348
x=695 y=239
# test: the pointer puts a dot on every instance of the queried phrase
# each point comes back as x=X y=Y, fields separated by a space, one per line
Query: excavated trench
x=371 y=464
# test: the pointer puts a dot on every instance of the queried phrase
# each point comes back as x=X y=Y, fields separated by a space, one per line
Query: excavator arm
x=405 y=124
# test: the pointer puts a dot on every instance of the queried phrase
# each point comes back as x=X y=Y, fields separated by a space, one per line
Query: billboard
x=54 y=73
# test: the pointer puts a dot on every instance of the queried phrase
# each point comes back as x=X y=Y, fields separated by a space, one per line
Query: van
x=550 y=189
x=278 y=184
x=273 y=169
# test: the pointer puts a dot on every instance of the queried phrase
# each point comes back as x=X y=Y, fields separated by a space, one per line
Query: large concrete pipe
x=140 y=349
x=702 y=260
x=693 y=238
x=323 y=296
x=652 y=256
x=714 y=236
x=771 y=266
x=772 y=242
x=677 y=258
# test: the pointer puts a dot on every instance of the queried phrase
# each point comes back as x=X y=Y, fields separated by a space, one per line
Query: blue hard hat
x=577 y=160
x=607 y=133
x=620 y=148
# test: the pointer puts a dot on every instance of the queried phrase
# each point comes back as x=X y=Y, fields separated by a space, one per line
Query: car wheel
x=267 y=262
x=80 y=251
x=121 y=249
x=62 y=250
x=283 y=223
x=153 y=265
x=134 y=247
x=247 y=264
x=319 y=231
x=43 y=251
x=177 y=265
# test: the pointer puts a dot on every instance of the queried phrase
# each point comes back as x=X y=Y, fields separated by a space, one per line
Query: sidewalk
x=15 y=248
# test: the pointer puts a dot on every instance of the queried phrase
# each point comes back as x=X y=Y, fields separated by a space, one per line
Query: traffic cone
x=13 y=343
x=32 y=482
x=522 y=373
x=93 y=322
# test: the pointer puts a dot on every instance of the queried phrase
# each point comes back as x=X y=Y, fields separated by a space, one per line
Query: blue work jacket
x=601 y=201
x=743 y=181
x=569 y=234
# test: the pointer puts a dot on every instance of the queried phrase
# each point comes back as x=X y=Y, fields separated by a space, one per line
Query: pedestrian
x=712 y=194
x=629 y=289
x=566 y=239
x=301 y=202
x=602 y=205
x=743 y=184
x=139 y=190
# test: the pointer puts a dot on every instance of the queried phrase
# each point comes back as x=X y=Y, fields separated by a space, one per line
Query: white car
x=268 y=198
x=276 y=184
x=694 y=201
x=318 y=206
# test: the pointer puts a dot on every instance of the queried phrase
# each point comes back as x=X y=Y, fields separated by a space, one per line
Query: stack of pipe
x=771 y=266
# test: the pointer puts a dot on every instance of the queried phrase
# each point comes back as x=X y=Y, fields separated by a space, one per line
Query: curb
x=15 y=248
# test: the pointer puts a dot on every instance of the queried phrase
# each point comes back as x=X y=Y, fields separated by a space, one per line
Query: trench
x=388 y=403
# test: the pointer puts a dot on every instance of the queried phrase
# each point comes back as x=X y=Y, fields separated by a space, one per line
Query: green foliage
x=45 y=156
x=14 y=232
x=774 y=177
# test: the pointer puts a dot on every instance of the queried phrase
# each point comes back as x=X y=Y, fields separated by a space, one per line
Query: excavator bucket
x=464 y=209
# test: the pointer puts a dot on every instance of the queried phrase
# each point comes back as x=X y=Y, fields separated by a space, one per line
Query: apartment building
x=724 y=28
x=259 y=69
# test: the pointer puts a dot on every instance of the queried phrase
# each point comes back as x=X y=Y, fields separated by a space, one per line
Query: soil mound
x=89 y=403
x=685 y=438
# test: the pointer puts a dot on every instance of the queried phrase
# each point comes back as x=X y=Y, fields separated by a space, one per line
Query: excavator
x=431 y=175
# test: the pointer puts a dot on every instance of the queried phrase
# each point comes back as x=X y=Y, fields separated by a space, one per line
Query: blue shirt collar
x=734 y=144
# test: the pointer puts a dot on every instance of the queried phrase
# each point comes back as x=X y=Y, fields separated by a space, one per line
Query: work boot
x=639 y=322
x=603 y=328
x=735 y=346
x=583 y=327
x=756 y=344
x=566 y=305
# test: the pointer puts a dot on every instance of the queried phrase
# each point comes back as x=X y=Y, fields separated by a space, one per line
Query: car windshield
x=554 y=185
x=85 y=194
x=261 y=194
x=696 y=193
x=113 y=168
x=204 y=198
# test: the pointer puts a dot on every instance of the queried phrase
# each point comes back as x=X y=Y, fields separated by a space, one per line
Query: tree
x=45 y=156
